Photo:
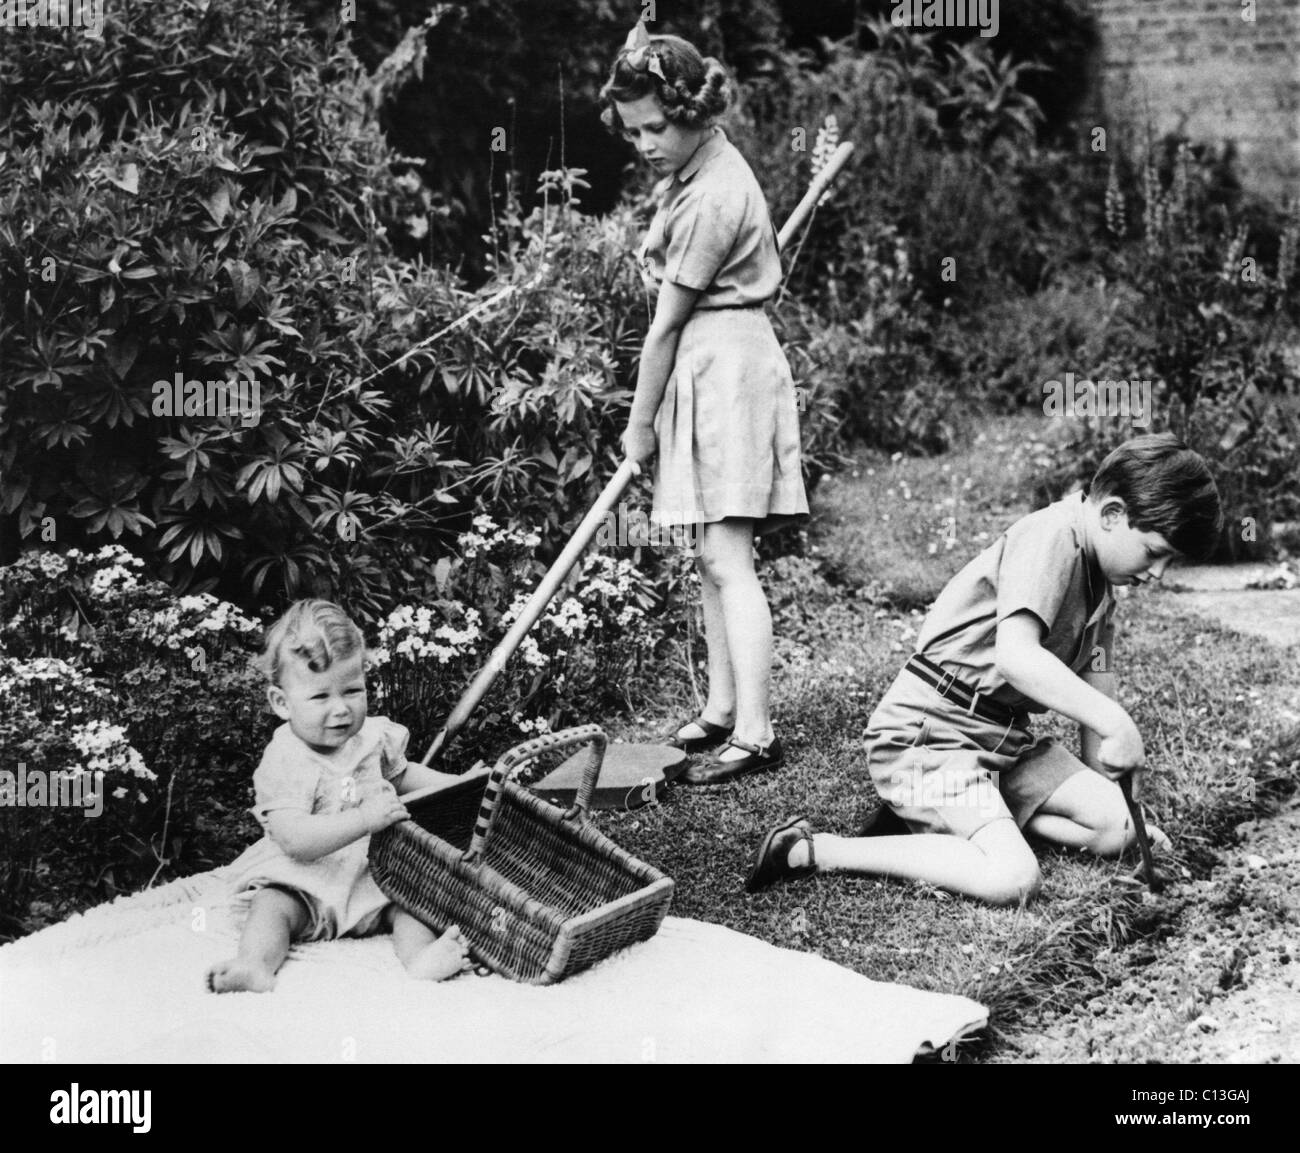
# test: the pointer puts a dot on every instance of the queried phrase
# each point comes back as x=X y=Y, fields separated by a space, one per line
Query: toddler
x=329 y=778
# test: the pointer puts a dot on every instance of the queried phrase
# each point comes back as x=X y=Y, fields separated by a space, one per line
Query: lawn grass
x=903 y=526
x=1209 y=702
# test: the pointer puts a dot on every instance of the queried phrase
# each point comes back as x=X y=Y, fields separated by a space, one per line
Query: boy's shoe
x=772 y=858
x=715 y=771
x=884 y=822
x=713 y=735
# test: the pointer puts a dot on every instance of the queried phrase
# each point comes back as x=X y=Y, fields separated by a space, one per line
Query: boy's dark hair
x=694 y=88
x=1166 y=488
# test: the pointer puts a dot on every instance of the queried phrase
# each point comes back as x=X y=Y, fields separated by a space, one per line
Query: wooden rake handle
x=815 y=192
x=533 y=609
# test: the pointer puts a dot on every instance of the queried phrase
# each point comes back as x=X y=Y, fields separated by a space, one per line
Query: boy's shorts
x=946 y=770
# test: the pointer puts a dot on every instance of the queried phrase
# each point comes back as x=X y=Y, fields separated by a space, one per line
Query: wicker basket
x=539 y=892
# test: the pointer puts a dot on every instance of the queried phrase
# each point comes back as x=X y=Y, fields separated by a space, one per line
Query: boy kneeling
x=1025 y=627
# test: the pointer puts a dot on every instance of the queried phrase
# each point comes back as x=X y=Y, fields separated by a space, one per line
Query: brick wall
x=1200 y=69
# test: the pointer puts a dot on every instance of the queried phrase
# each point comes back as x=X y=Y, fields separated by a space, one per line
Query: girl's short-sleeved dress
x=337 y=888
x=728 y=428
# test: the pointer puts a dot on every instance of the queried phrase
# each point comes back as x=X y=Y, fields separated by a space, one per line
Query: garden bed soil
x=1223 y=989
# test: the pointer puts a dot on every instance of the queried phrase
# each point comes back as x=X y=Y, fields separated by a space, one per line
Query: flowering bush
x=575 y=662
x=47 y=723
x=105 y=675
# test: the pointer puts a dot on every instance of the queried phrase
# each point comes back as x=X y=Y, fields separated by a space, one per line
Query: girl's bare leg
x=275 y=917
x=426 y=956
x=720 y=707
x=727 y=562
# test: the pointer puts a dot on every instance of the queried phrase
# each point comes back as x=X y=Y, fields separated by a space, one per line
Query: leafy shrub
x=939 y=139
x=185 y=241
x=867 y=380
x=1062 y=35
x=1197 y=308
x=1012 y=349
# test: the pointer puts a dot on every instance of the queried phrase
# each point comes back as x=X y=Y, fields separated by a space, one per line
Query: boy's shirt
x=1039 y=564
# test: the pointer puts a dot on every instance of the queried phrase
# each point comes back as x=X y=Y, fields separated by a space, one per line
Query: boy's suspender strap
x=946 y=684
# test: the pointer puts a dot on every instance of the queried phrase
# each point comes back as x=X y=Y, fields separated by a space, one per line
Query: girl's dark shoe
x=715 y=771
x=772 y=858
x=713 y=735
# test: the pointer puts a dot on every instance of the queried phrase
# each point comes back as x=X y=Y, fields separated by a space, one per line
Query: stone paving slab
x=1216 y=577
x=1273 y=614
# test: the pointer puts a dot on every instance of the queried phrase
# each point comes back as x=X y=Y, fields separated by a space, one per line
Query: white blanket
x=125 y=983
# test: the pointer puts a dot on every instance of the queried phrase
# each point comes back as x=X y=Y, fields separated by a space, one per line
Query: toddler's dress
x=728 y=430
x=337 y=888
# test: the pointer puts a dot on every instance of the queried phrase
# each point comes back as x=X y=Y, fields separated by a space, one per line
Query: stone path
x=1222 y=594
x=1259 y=1021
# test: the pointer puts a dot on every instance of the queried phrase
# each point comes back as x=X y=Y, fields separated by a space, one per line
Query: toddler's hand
x=382 y=810
x=1121 y=750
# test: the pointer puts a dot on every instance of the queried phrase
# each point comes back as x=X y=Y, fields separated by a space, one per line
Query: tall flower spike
x=1115 y=221
x=1286 y=252
x=828 y=138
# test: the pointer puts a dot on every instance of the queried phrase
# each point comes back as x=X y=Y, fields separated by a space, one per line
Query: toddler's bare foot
x=238 y=976
x=446 y=957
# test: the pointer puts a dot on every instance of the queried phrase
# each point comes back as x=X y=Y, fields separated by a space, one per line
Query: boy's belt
x=947 y=685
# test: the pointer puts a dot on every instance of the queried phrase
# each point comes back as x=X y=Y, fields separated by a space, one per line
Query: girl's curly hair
x=694 y=90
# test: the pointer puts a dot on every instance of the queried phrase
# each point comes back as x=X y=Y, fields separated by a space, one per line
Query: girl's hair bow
x=640 y=52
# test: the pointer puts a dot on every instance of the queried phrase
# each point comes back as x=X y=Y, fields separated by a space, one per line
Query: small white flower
x=52 y=565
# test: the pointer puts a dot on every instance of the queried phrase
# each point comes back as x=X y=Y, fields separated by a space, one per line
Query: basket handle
x=522 y=754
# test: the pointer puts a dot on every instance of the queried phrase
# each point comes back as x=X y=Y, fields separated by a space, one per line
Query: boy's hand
x=382 y=810
x=1121 y=751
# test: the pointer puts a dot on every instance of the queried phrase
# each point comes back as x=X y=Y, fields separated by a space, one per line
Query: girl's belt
x=947 y=685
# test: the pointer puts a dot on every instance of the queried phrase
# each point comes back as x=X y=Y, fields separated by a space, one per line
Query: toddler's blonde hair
x=314 y=633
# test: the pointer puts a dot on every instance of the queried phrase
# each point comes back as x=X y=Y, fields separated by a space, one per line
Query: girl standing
x=714 y=393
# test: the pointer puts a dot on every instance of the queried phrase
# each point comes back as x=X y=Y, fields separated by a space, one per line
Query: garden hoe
x=1140 y=830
